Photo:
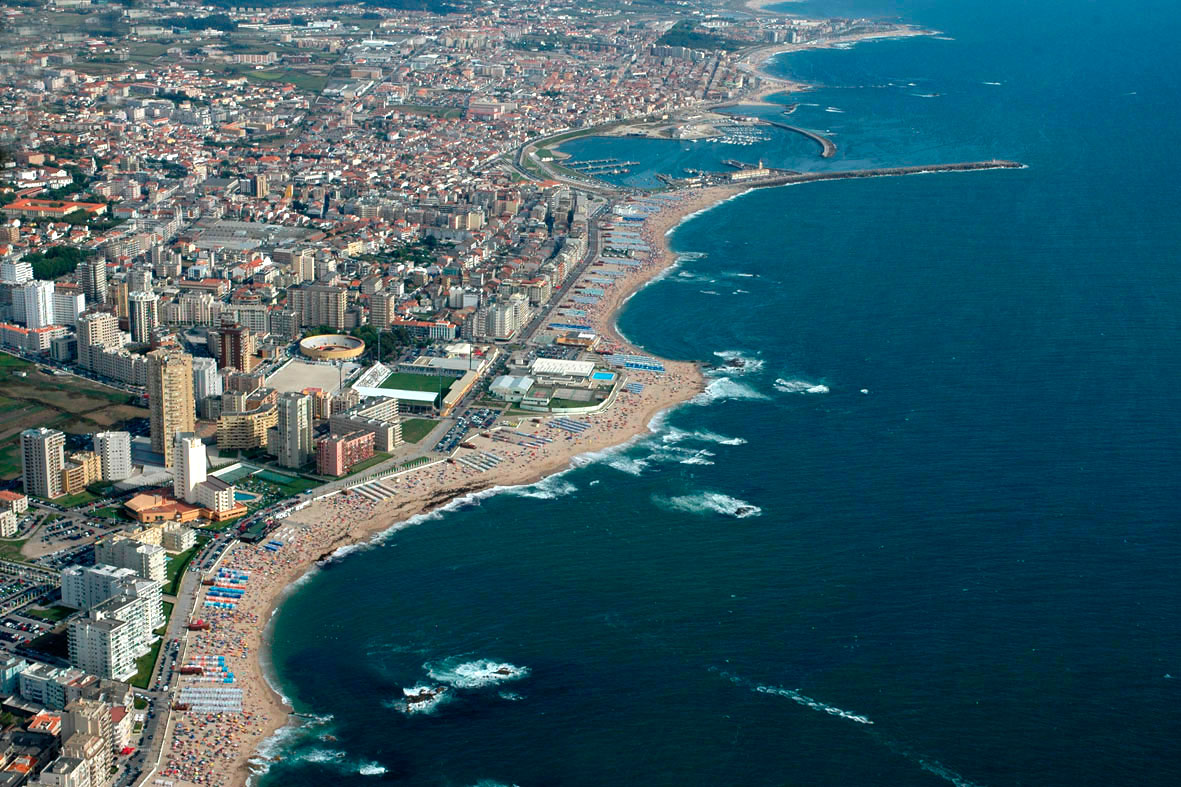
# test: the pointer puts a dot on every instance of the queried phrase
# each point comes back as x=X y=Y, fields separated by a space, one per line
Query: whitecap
x=473 y=674
x=699 y=458
x=816 y=705
x=674 y=435
x=834 y=110
x=371 y=768
x=511 y=696
x=711 y=502
x=627 y=464
x=548 y=488
x=321 y=755
x=800 y=386
x=737 y=362
x=993 y=84
x=724 y=388
x=415 y=708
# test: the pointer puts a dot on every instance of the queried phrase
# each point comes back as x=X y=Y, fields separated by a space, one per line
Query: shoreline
x=207 y=750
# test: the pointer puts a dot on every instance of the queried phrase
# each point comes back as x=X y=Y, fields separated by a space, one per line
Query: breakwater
x=809 y=177
x=828 y=148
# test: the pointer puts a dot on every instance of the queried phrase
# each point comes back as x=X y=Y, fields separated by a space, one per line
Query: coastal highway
x=594 y=244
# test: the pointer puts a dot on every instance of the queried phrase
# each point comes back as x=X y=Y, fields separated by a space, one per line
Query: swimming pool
x=608 y=376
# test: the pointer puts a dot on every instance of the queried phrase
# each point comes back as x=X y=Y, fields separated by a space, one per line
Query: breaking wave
x=474 y=674
x=371 y=768
x=710 y=503
x=817 y=705
x=724 y=388
x=928 y=764
x=799 y=386
x=737 y=363
x=674 y=435
x=547 y=488
x=627 y=464
x=425 y=707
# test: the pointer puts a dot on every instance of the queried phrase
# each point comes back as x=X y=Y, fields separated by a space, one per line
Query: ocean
x=927 y=532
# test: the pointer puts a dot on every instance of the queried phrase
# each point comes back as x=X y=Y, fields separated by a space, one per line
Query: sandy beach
x=222 y=748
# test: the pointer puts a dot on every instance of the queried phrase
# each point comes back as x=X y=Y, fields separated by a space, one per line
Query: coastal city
x=274 y=280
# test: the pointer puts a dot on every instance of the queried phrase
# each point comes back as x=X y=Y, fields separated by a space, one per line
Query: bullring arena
x=332 y=347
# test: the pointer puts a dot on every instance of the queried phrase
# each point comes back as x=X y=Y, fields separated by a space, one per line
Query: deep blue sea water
x=959 y=430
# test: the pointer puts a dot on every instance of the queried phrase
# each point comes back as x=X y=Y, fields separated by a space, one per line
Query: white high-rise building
x=67 y=307
x=38 y=301
x=85 y=587
x=16 y=272
x=143 y=317
x=206 y=379
x=115 y=633
x=139 y=279
x=97 y=331
x=147 y=560
x=114 y=452
x=188 y=466
x=42 y=459
x=92 y=275
x=294 y=429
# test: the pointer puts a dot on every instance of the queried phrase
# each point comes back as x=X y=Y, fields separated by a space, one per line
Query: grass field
x=63 y=402
x=52 y=614
x=145 y=664
x=376 y=459
x=312 y=83
x=73 y=501
x=11 y=550
x=414 y=429
x=176 y=569
x=417 y=382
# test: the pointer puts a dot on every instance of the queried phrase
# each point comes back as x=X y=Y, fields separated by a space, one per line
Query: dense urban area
x=250 y=258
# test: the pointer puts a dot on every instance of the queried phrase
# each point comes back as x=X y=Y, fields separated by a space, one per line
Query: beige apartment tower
x=170 y=398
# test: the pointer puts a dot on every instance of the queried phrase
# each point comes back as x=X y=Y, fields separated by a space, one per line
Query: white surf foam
x=548 y=488
x=816 y=705
x=800 y=386
x=474 y=674
x=321 y=755
x=418 y=708
x=711 y=503
x=928 y=764
x=371 y=768
x=724 y=388
x=675 y=435
x=748 y=363
x=699 y=458
x=628 y=464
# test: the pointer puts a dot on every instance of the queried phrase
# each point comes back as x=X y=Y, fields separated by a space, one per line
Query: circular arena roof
x=331 y=347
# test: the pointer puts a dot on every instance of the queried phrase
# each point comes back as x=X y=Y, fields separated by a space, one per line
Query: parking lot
x=482 y=418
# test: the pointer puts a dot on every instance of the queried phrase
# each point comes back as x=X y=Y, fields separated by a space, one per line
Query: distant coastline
x=335 y=524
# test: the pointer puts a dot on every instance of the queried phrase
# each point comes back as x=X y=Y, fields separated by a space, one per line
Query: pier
x=810 y=177
x=827 y=147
